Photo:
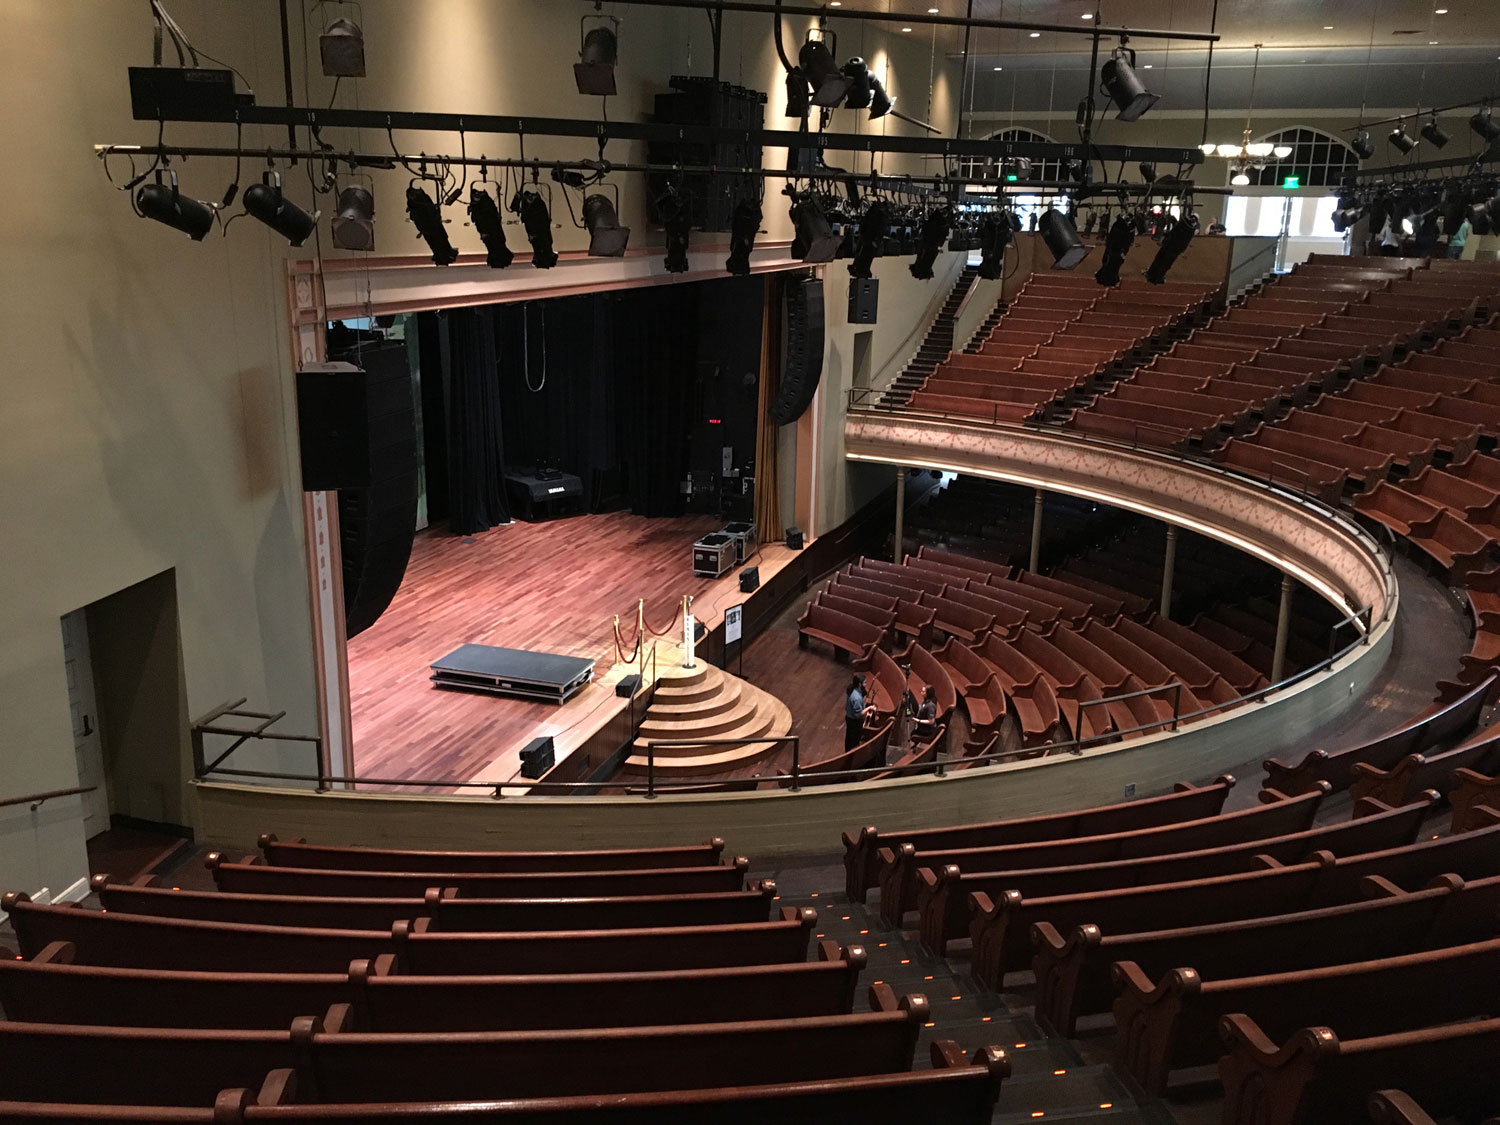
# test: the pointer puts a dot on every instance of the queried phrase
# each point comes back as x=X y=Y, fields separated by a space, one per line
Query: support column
x=1036 y=529
x=1168 y=566
x=1283 y=627
x=896 y=552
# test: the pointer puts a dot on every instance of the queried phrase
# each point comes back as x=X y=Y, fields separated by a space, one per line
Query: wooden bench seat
x=871 y=592
x=1071 y=610
x=1184 y=802
x=1031 y=696
x=957 y=619
x=1129 y=431
x=927 y=671
x=887 y=682
x=1145 y=667
x=297 y=852
x=1079 y=696
x=1405 y=513
x=948 y=572
x=982 y=409
x=1156 y=414
x=1468 y=500
x=884 y=619
x=1022 y=393
x=1468 y=389
x=1203 y=681
x=1287 y=470
x=886 y=571
x=1237 y=673
x=1454 y=713
x=869 y=753
x=845 y=632
x=1457 y=546
x=1230 y=411
x=1479 y=468
x=1366 y=466
x=1139 y=713
x=136 y=941
x=1169 y=1023
x=1129 y=602
x=964 y=562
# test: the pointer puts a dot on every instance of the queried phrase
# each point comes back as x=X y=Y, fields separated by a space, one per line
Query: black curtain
x=656 y=355
x=431 y=353
x=476 y=451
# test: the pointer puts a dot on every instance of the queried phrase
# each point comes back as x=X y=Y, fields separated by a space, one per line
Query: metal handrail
x=36 y=800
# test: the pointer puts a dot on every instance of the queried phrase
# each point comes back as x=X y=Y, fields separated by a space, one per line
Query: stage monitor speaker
x=628 y=686
x=537 y=758
x=804 y=350
x=794 y=538
x=749 y=579
x=864 y=299
x=377 y=518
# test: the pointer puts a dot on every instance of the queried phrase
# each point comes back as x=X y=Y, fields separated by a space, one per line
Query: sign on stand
x=734 y=624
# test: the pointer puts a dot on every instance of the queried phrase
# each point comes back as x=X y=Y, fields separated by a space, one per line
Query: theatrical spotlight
x=1117 y=244
x=427 y=217
x=1062 y=240
x=265 y=202
x=814 y=239
x=607 y=238
x=1485 y=126
x=1434 y=133
x=744 y=225
x=995 y=234
x=532 y=210
x=1349 y=212
x=1020 y=169
x=874 y=225
x=1363 y=147
x=163 y=202
x=1148 y=171
x=865 y=90
x=485 y=215
x=677 y=221
x=935 y=229
x=1173 y=243
x=600 y=50
x=1119 y=80
x=354 y=224
x=815 y=60
x=1403 y=141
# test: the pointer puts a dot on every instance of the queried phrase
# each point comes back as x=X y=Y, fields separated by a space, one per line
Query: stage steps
x=705 y=702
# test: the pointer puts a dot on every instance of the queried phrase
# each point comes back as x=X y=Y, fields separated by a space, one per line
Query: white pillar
x=897 y=554
x=1169 y=565
x=1283 y=627
x=1036 y=529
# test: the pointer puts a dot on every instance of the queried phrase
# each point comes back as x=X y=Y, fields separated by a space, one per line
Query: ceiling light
x=1485 y=126
x=815 y=61
x=1228 y=151
x=354 y=224
x=341 y=48
x=1127 y=91
x=1117 y=244
x=1087 y=16
x=1403 y=141
x=162 y=202
x=932 y=11
x=1147 y=66
x=1062 y=240
x=1172 y=245
x=1036 y=34
x=600 y=50
x=835 y=3
x=815 y=240
x=1435 y=133
x=1281 y=152
x=1363 y=147
x=994 y=237
x=1440 y=11
x=935 y=230
x=607 y=238
x=1328 y=27
x=869 y=236
x=906 y=29
x=1432 y=42
x=535 y=217
x=744 y=225
x=265 y=202
x=1208 y=149
x=485 y=216
x=1240 y=178
x=427 y=217
x=1260 y=148
x=999 y=68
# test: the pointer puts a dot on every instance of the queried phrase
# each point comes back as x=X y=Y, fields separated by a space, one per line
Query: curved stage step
x=705 y=702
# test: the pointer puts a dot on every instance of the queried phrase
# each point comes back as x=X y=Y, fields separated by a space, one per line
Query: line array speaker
x=804 y=350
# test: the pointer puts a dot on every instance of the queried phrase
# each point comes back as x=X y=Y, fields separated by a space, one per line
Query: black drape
x=476 y=453
x=431 y=352
x=655 y=364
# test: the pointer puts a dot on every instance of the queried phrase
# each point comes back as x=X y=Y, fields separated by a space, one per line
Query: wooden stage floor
x=552 y=587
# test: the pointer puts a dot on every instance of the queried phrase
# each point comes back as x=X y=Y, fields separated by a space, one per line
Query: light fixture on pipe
x=165 y=204
x=1484 y=126
x=1124 y=88
x=744 y=225
x=870 y=234
x=1363 y=146
x=1434 y=133
x=995 y=235
x=265 y=202
x=1062 y=240
x=1403 y=141
x=935 y=229
x=599 y=51
x=607 y=238
x=427 y=217
x=1173 y=243
x=354 y=222
x=536 y=217
x=1117 y=244
x=815 y=60
x=814 y=239
x=485 y=215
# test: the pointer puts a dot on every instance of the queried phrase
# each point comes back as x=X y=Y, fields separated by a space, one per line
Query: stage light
x=815 y=240
x=798 y=96
x=485 y=216
x=1062 y=240
x=1117 y=244
x=935 y=228
x=1148 y=171
x=1021 y=166
x=1485 y=126
x=1347 y=215
x=1363 y=147
x=342 y=49
x=828 y=82
x=880 y=101
x=1173 y=243
x=265 y=202
x=874 y=225
x=164 y=203
x=427 y=217
x=607 y=238
x=535 y=217
x=600 y=50
x=1127 y=91
x=354 y=224
x=677 y=220
x=744 y=225
x=1403 y=141
x=1434 y=133
x=994 y=239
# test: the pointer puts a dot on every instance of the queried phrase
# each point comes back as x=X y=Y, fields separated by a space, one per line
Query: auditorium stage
x=551 y=586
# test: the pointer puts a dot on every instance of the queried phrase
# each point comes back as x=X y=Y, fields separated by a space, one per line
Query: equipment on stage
x=745 y=541
x=543 y=676
x=749 y=579
x=794 y=538
x=713 y=555
x=537 y=757
x=628 y=686
x=542 y=486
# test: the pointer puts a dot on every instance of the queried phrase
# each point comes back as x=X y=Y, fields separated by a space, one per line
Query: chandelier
x=1248 y=154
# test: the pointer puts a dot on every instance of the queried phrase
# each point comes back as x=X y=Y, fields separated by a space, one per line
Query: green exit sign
x=1292 y=182
x=1011 y=178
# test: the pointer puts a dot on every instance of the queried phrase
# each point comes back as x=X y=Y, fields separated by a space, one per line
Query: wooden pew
x=1455 y=712
x=1469 y=855
x=1184 y=802
x=1139 y=712
x=1074 y=687
x=1169 y=1023
x=1072 y=965
x=1030 y=693
x=1479 y=752
x=954 y=1090
x=1395 y=1107
x=447 y=911
x=843 y=631
x=883 y=619
x=1099 y=603
x=1012 y=610
x=1316 y=1076
x=887 y=682
x=134 y=941
x=297 y=852
x=1238 y=674
x=1290 y=471
x=950 y=881
x=1475 y=799
x=919 y=753
x=50 y=989
x=1203 y=681
x=966 y=562
x=869 y=753
x=958 y=620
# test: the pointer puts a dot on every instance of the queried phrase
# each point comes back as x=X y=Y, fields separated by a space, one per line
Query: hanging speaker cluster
x=804 y=350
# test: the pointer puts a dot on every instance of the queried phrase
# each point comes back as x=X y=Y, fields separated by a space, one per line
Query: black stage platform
x=541 y=676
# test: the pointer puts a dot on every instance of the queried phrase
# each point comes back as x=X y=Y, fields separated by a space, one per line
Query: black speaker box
x=804 y=350
x=628 y=686
x=536 y=758
x=864 y=299
x=794 y=538
x=749 y=579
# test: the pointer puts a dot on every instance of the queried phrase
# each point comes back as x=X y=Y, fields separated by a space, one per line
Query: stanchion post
x=650 y=770
x=796 y=763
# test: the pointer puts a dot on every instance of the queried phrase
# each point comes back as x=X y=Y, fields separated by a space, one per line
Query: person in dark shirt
x=927 y=713
x=856 y=710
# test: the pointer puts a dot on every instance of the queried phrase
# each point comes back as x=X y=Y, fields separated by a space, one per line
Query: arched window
x=1040 y=169
x=1318 y=159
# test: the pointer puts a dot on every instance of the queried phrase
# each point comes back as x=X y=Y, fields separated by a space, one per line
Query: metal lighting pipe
x=1489 y=156
x=1476 y=103
x=917 y=18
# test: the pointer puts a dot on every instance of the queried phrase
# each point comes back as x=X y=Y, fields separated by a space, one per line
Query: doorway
x=83 y=710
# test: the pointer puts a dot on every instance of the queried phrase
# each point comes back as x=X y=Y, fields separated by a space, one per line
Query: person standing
x=1457 y=239
x=927 y=714
x=855 y=712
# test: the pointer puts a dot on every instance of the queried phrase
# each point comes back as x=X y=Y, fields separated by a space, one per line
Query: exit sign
x=1292 y=182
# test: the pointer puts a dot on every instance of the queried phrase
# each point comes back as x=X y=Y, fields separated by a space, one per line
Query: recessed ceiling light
x=1146 y=66
x=1432 y=42
x=1328 y=27
x=1036 y=34
x=1087 y=15
x=932 y=11
x=1440 y=11
x=999 y=68
x=906 y=29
